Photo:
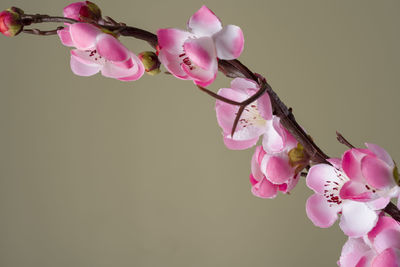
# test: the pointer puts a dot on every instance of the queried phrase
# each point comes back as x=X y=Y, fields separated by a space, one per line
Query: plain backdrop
x=98 y=172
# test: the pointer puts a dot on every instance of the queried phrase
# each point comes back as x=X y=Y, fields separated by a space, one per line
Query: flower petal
x=200 y=76
x=388 y=238
x=377 y=173
x=388 y=258
x=204 y=22
x=111 y=49
x=357 y=219
x=274 y=138
x=351 y=165
x=65 y=37
x=352 y=252
x=80 y=68
x=320 y=212
x=229 y=42
x=173 y=65
x=245 y=85
x=383 y=223
x=355 y=191
x=172 y=40
x=84 y=35
x=264 y=189
x=265 y=107
x=319 y=175
x=381 y=153
x=278 y=170
x=201 y=52
x=239 y=144
x=114 y=71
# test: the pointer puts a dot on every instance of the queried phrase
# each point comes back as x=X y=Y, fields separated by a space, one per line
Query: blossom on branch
x=98 y=51
x=380 y=248
x=256 y=120
x=192 y=55
x=358 y=185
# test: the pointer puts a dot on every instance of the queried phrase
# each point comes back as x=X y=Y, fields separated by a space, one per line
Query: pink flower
x=83 y=11
x=256 y=120
x=373 y=176
x=380 y=248
x=97 y=51
x=273 y=172
x=356 y=186
x=192 y=55
x=10 y=21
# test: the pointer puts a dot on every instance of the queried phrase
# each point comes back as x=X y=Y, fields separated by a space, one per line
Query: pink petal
x=351 y=165
x=279 y=170
x=274 y=136
x=291 y=183
x=84 y=35
x=319 y=175
x=265 y=107
x=264 y=189
x=111 y=49
x=80 y=68
x=173 y=65
x=239 y=144
x=388 y=238
x=65 y=37
x=388 y=258
x=201 y=52
x=357 y=219
x=204 y=22
x=320 y=212
x=377 y=173
x=355 y=191
x=172 y=40
x=352 y=252
x=114 y=71
x=381 y=153
x=200 y=76
x=336 y=162
x=383 y=223
x=229 y=42
x=244 y=85
x=255 y=164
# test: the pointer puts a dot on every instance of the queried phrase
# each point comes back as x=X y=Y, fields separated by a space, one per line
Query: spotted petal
x=320 y=212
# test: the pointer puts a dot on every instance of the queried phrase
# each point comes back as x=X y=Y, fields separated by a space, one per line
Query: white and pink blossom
x=98 y=51
x=380 y=248
x=192 y=54
x=256 y=119
x=356 y=186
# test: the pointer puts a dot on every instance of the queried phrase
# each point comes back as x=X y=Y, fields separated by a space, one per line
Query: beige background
x=97 y=172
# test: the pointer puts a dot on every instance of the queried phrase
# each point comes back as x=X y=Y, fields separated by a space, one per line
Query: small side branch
x=343 y=140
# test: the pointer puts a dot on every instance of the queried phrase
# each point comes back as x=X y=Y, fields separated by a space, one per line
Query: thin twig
x=343 y=140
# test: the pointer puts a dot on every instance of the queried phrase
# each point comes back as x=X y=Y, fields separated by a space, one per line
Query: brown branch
x=393 y=211
x=230 y=68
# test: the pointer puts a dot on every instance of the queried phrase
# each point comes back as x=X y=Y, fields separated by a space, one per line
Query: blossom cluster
x=356 y=187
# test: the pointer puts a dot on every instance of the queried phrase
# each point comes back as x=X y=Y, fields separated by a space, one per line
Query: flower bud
x=10 y=21
x=83 y=11
x=150 y=62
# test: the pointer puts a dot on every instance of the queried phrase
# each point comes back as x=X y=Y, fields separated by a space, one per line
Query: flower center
x=251 y=117
x=332 y=188
x=96 y=57
x=186 y=61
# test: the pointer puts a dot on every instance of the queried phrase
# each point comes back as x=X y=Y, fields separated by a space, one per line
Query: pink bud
x=10 y=21
x=83 y=11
